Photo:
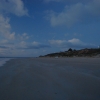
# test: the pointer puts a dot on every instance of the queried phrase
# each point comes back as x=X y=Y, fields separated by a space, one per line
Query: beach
x=50 y=79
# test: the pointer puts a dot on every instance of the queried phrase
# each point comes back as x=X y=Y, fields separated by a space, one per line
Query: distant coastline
x=93 y=52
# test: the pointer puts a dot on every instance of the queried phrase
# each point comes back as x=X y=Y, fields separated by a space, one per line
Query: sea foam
x=3 y=61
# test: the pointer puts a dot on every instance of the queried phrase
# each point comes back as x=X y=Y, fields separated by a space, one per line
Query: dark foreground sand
x=50 y=79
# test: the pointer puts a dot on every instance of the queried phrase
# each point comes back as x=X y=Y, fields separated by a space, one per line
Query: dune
x=50 y=79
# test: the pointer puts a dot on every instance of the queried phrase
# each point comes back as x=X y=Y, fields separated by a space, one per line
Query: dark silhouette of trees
x=78 y=53
x=70 y=49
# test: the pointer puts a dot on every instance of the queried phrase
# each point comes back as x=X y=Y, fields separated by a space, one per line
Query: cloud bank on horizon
x=57 y=25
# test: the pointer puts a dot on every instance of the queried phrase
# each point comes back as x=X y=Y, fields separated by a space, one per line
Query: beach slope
x=50 y=79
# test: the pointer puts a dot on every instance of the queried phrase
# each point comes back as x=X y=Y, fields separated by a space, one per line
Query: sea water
x=3 y=61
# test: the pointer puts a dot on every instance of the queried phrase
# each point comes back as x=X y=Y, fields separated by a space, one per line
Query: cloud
x=93 y=7
x=74 y=13
x=53 y=0
x=37 y=45
x=3 y=47
x=3 y=41
x=72 y=43
x=57 y=42
x=5 y=28
x=33 y=45
x=22 y=45
x=75 y=41
x=70 y=1
x=13 y=44
x=10 y=42
x=24 y=36
x=22 y=48
x=13 y=6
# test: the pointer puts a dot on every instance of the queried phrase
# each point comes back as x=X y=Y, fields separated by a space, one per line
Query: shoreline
x=4 y=61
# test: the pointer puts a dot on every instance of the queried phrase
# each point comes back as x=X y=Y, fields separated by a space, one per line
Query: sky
x=30 y=28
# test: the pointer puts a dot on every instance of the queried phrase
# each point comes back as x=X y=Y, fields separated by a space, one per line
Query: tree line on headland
x=75 y=53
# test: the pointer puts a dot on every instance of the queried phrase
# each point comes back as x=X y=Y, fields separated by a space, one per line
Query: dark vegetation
x=76 y=53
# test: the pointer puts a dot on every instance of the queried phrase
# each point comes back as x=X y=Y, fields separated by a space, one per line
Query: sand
x=50 y=79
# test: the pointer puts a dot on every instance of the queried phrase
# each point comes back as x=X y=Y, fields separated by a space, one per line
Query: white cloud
x=70 y=1
x=75 y=13
x=67 y=17
x=29 y=45
x=24 y=36
x=93 y=7
x=22 y=44
x=72 y=43
x=10 y=40
x=11 y=43
x=57 y=42
x=13 y=6
x=11 y=36
x=75 y=41
x=53 y=0
x=3 y=41
x=5 y=28
x=35 y=43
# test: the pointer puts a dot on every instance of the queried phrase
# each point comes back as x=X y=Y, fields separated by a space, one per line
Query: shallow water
x=3 y=61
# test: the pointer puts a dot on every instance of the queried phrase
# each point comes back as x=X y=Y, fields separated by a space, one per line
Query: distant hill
x=78 y=53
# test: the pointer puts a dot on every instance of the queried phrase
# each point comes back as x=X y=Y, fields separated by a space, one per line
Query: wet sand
x=50 y=79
